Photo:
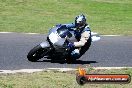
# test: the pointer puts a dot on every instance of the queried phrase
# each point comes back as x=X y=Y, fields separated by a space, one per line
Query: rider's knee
x=75 y=54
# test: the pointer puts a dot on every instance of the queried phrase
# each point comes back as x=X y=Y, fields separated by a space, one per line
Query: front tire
x=35 y=54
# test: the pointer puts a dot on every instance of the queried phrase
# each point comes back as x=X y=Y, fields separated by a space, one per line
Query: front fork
x=47 y=52
x=46 y=48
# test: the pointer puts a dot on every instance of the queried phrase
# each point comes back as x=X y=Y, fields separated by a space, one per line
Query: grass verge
x=54 y=79
x=37 y=16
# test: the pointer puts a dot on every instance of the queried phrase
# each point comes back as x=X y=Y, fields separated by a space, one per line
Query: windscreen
x=62 y=32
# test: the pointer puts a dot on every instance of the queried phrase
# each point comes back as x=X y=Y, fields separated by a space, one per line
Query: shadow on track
x=63 y=62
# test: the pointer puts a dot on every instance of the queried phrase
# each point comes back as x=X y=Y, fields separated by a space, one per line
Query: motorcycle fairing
x=45 y=44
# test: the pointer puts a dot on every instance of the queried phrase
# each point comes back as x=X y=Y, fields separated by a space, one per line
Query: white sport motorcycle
x=55 y=47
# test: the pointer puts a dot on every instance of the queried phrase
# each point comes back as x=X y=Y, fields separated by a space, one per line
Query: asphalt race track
x=114 y=51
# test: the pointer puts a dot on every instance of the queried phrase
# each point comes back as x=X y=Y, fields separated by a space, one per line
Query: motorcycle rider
x=82 y=34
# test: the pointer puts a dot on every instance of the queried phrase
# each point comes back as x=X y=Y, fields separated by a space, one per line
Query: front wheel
x=35 y=54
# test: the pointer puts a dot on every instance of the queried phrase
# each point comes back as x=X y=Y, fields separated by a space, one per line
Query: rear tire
x=35 y=54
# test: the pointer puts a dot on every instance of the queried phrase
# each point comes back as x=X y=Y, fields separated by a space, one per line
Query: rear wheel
x=35 y=54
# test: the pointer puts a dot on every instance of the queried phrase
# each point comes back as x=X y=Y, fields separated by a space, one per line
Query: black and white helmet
x=80 y=21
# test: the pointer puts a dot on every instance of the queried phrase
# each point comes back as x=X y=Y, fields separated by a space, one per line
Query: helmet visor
x=79 y=24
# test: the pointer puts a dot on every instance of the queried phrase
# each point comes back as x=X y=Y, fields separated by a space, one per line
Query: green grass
x=54 y=79
x=104 y=16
